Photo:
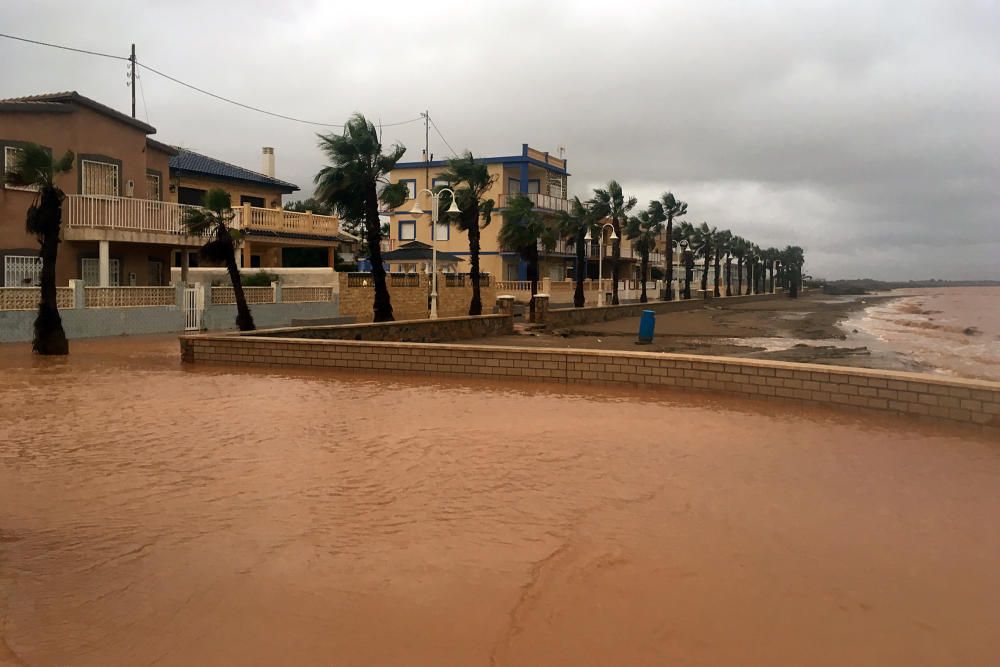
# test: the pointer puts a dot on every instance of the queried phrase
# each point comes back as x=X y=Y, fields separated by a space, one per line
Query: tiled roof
x=196 y=163
x=49 y=102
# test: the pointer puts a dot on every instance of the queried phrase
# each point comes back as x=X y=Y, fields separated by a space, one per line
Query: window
x=99 y=178
x=411 y=187
x=442 y=232
x=407 y=230
x=253 y=201
x=90 y=271
x=11 y=154
x=439 y=182
x=155 y=272
x=534 y=186
x=153 y=187
x=513 y=185
x=22 y=271
x=191 y=196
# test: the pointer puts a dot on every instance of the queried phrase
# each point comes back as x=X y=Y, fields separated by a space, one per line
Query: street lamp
x=600 y=255
x=416 y=211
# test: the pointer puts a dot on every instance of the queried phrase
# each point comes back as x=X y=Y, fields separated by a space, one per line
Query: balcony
x=541 y=202
x=161 y=221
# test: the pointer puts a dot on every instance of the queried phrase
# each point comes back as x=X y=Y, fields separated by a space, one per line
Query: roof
x=159 y=145
x=524 y=157
x=417 y=251
x=60 y=103
x=187 y=161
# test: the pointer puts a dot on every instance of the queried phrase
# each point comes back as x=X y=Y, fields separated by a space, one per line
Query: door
x=90 y=271
x=194 y=305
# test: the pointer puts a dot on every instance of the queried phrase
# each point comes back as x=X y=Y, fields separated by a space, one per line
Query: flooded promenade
x=159 y=514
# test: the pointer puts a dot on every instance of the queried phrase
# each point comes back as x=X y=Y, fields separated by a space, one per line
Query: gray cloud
x=865 y=132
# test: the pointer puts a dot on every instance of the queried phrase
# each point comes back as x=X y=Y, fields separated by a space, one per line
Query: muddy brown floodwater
x=156 y=514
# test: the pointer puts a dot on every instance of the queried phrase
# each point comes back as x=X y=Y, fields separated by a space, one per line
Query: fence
x=129 y=297
x=305 y=294
x=463 y=279
x=27 y=298
x=227 y=295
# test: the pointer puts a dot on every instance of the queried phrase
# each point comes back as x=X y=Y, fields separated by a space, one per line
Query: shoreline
x=808 y=330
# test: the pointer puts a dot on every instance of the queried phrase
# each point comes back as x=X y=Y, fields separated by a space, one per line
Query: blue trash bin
x=647 y=322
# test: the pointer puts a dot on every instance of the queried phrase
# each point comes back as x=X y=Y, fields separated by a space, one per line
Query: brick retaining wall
x=440 y=330
x=907 y=394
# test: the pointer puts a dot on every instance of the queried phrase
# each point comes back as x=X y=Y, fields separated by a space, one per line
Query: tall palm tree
x=704 y=241
x=643 y=230
x=673 y=208
x=686 y=238
x=793 y=257
x=573 y=225
x=738 y=246
x=214 y=220
x=34 y=167
x=722 y=240
x=354 y=183
x=753 y=270
x=522 y=229
x=771 y=255
x=610 y=202
x=470 y=181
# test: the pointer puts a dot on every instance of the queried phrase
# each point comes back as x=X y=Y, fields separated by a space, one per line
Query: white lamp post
x=417 y=212
x=600 y=257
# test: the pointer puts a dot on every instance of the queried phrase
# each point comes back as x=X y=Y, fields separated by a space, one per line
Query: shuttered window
x=99 y=178
x=153 y=187
x=11 y=154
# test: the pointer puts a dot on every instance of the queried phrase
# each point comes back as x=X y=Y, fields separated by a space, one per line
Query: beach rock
x=971 y=331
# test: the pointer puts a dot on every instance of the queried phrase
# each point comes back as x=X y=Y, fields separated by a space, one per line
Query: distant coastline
x=870 y=286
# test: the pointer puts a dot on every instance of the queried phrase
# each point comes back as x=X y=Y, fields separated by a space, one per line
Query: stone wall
x=454 y=301
x=906 y=394
x=408 y=303
x=417 y=331
x=558 y=318
x=220 y=317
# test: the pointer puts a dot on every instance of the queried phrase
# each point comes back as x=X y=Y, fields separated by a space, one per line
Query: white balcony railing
x=147 y=215
x=542 y=202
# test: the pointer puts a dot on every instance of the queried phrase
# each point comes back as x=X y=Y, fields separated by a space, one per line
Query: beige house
x=126 y=194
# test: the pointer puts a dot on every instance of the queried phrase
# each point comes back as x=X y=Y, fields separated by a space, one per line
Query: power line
x=196 y=88
x=65 y=48
x=434 y=125
x=143 y=93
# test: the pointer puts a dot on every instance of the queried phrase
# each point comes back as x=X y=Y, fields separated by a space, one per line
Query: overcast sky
x=867 y=132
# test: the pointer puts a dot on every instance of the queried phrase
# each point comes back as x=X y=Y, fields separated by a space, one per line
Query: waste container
x=647 y=322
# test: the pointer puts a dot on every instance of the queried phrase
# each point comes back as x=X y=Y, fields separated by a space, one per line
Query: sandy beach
x=807 y=329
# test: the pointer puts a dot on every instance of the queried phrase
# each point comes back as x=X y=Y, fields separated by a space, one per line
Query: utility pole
x=427 y=148
x=131 y=71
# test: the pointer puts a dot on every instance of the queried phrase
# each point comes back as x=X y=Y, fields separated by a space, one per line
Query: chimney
x=267 y=161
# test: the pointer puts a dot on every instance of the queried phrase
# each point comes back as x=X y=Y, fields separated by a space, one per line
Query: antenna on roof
x=562 y=151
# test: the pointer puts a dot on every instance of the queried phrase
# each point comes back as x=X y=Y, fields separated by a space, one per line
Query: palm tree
x=354 y=183
x=673 y=208
x=642 y=230
x=470 y=181
x=704 y=242
x=686 y=236
x=753 y=271
x=214 y=220
x=793 y=257
x=738 y=246
x=609 y=202
x=771 y=255
x=522 y=229
x=35 y=168
x=722 y=240
x=574 y=225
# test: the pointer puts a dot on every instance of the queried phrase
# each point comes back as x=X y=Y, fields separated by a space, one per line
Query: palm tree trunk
x=579 y=299
x=476 y=305
x=739 y=275
x=704 y=271
x=688 y=273
x=729 y=277
x=382 y=306
x=50 y=338
x=750 y=276
x=244 y=320
x=670 y=259
x=533 y=277
x=616 y=253
x=643 y=270
x=716 y=277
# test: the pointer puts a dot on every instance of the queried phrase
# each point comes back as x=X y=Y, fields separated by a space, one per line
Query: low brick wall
x=558 y=318
x=408 y=302
x=415 y=331
x=906 y=394
x=454 y=301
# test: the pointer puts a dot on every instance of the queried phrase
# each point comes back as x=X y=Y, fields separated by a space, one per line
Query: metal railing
x=147 y=215
x=463 y=279
x=542 y=202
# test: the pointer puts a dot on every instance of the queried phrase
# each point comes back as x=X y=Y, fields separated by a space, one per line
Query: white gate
x=194 y=305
